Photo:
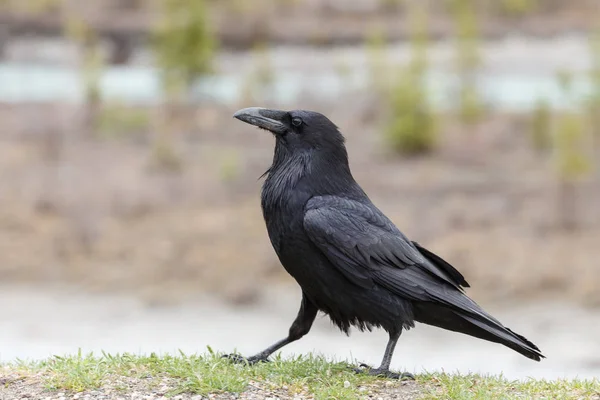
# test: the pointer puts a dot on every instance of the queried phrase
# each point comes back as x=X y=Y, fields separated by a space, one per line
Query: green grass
x=306 y=376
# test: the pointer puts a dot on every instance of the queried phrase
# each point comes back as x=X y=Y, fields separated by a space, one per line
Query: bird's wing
x=456 y=276
x=362 y=243
x=367 y=247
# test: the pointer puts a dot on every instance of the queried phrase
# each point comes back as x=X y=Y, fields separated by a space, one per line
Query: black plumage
x=350 y=260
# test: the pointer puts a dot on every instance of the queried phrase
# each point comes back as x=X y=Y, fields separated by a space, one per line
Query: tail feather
x=477 y=326
x=508 y=338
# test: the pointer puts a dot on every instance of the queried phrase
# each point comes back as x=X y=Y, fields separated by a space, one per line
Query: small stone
x=362 y=389
x=163 y=389
x=346 y=384
x=389 y=383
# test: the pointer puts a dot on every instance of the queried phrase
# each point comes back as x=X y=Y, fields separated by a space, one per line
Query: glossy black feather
x=351 y=261
x=456 y=276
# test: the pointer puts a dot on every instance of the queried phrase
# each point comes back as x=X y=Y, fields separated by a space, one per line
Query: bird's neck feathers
x=321 y=170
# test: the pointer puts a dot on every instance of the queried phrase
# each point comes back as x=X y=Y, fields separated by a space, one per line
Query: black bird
x=350 y=260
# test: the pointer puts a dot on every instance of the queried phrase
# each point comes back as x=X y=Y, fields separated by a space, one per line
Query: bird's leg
x=384 y=368
x=300 y=327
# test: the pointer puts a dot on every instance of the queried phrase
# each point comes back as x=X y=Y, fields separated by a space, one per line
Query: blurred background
x=129 y=198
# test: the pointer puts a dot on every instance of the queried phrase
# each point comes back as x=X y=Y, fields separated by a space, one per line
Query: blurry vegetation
x=262 y=76
x=229 y=168
x=240 y=6
x=379 y=66
x=565 y=81
x=342 y=67
x=572 y=163
x=594 y=119
x=411 y=126
x=471 y=107
x=318 y=36
x=184 y=47
x=92 y=74
x=117 y=120
x=468 y=59
x=100 y=120
x=184 y=44
x=34 y=6
x=570 y=147
x=568 y=135
x=392 y=5
x=541 y=126
x=517 y=8
x=164 y=156
x=594 y=101
x=91 y=69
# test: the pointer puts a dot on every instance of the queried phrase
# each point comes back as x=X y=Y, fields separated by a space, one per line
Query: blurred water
x=516 y=73
x=37 y=323
x=21 y=83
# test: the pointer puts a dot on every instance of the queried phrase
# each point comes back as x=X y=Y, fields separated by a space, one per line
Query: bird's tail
x=480 y=325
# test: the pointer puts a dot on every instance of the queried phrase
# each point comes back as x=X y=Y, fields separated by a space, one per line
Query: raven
x=350 y=260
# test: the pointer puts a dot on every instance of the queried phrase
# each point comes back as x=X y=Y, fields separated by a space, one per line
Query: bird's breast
x=283 y=211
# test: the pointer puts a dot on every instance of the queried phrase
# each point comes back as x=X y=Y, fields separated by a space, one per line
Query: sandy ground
x=91 y=212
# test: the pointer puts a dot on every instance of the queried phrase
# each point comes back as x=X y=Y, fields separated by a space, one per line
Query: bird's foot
x=236 y=358
x=366 y=369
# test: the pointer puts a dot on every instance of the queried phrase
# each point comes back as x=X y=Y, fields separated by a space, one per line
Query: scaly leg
x=384 y=368
x=300 y=327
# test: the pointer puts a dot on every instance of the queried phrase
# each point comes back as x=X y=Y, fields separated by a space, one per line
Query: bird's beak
x=271 y=120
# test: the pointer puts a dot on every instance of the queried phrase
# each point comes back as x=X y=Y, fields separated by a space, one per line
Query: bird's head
x=307 y=146
x=298 y=131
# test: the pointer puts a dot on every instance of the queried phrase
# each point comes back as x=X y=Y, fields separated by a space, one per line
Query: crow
x=350 y=260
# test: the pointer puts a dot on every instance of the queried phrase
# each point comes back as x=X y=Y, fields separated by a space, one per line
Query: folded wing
x=365 y=245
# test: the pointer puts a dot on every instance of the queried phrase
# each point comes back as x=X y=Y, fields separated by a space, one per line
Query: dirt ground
x=92 y=212
x=31 y=387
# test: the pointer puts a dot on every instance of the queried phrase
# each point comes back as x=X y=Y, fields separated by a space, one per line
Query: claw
x=366 y=369
x=236 y=358
x=407 y=376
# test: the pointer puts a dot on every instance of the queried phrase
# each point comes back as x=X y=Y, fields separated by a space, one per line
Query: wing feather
x=368 y=248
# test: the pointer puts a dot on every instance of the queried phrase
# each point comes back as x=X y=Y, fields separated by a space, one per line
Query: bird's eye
x=296 y=121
